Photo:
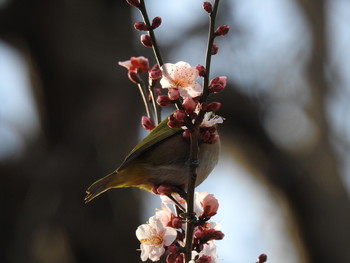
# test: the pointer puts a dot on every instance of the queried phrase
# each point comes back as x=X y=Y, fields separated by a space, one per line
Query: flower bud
x=163 y=100
x=179 y=115
x=207 y=7
x=217 y=84
x=139 y=63
x=214 y=49
x=189 y=105
x=165 y=189
x=222 y=30
x=147 y=123
x=204 y=259
x=176 y=222
x=156 y=22
x=198 y=233
x=173 y=94
x=135 y=3
x=210 y=205
x=216 y=235
x=262 y=258
x=134 y=77
x=186 y=135
x=175 y=124
x=201 y=70
x=214 y=106
x=141 y=26
x=146 y=40
x=155 y=73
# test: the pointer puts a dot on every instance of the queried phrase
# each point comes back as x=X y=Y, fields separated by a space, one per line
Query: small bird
x=161 y=158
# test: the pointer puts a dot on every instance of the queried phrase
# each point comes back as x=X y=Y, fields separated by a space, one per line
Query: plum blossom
x=206 y=205
x=137 y=64
x=165 y=215
x=210 y=119
x=181 y=76
x=153 y=237
x=207 y=254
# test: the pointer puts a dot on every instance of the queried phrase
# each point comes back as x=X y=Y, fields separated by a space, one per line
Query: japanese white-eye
x=161 y=158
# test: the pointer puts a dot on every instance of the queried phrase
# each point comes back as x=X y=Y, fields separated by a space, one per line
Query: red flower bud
x=175 y=123
x=189 y=105
x=147 y=123
x=262 y=258
x=135 y=3
x=165 y=189
x=156 y=22
x=176 y=222
x=214 y=106
x=201 y=70
x=217 y=84
x=155 y=73
x=146 y=40
x=186 y=135
x=198 y=233
x=164 y=100
x=204 y=259
x=141 y=26
x=173 y=94
x=222 y=30
x=214 y=49
x=179 y=115
x=207 y=7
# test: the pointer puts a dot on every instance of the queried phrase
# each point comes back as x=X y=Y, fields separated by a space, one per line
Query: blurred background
x=69 y=115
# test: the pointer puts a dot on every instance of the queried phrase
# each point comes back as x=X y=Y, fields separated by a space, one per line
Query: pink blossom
x=138 y=64
x=207 y=254
x=165 y=215
x=182 y=76
x=206 y=205
x=153 y=237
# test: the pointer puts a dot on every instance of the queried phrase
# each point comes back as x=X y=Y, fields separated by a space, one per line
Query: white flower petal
x=170 y=235
x=143 y=231
x=145 y=251
x=156 y=253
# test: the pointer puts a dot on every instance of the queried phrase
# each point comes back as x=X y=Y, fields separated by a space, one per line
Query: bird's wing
x=158 y=134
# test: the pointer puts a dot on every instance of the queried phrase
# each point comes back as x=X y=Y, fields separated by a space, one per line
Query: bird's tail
x=99 y=187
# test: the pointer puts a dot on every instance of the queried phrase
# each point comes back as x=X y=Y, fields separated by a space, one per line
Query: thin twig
x=155 y=46
x=211 y=37
x=194 y=147
x=144 y=98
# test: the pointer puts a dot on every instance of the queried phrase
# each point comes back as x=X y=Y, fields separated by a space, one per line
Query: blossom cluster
x=180 y=81
x=165 y=231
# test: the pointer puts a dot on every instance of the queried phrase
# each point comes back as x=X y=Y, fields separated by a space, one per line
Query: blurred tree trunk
x=88 y=125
